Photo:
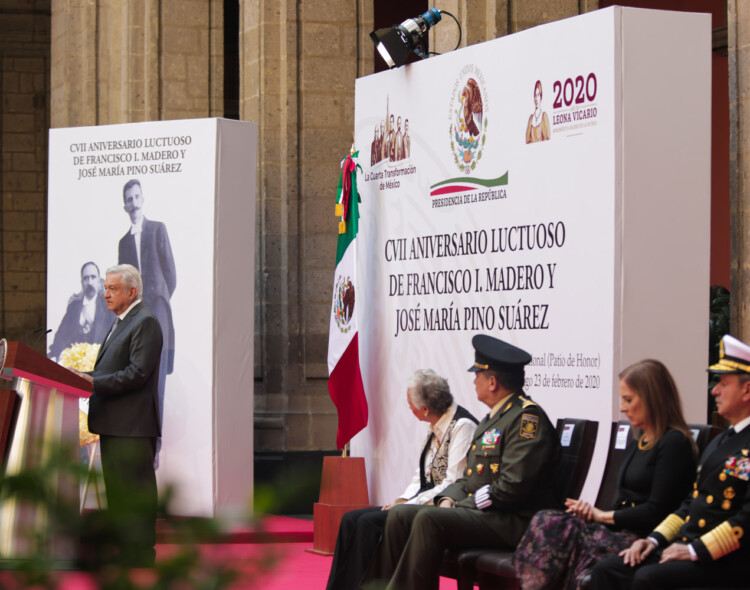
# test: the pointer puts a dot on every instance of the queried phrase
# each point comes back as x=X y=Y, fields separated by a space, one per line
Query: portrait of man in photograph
x=146 y=247
x=86 y=318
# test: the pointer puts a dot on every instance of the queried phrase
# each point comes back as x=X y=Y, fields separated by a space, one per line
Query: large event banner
x=489 y=205
x=153 y=195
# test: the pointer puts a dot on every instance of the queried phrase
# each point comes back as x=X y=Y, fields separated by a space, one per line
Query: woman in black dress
x=560 y=548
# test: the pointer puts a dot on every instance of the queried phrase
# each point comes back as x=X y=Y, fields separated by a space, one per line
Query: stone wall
x=24 y=121
x=482 y=20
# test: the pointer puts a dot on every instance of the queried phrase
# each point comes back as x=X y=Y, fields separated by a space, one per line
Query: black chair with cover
x=577 y=440
x=704 y=434
x=622 y=434
x=494 y=570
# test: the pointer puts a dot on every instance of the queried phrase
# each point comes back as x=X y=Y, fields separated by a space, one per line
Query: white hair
x=427 y=388
x=130 y=276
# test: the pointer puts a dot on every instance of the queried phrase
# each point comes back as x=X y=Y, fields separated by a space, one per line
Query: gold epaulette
x=527 y=403
x=722 y=540
x=669 y=528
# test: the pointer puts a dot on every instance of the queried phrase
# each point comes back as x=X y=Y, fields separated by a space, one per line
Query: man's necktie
x=727 y=436
x=114 y=327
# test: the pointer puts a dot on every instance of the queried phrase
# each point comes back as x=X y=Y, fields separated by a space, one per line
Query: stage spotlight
x=396 y=43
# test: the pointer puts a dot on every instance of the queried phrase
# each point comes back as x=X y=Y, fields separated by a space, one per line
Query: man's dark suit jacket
x=70 y=330
x=158 y=273
x=126 y=377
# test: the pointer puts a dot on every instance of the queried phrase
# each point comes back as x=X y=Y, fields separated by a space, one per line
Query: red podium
x=343 y=487
x=39 y=410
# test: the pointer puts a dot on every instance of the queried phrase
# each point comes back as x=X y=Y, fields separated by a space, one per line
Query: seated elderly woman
x=441 y=462
x=559 y=548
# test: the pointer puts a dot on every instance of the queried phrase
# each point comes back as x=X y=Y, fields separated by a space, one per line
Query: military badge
x=480 y=468
x=494 y=467
x=739 y=467
x=529 y=425
x=490 y=438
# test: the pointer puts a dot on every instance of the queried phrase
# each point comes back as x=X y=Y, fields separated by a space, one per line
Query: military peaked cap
x=496 y=355
x=734 y=356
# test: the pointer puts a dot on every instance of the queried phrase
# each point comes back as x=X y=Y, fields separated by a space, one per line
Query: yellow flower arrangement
x=82 y=357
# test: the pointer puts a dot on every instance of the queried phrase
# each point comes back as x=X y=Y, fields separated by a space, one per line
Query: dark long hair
x=654 y=384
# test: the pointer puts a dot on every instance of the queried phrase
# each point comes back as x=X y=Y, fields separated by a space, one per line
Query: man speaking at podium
x=123 y=410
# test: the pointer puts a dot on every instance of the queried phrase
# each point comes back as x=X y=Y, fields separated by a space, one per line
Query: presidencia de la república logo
x=468 y=124
x=468 y=129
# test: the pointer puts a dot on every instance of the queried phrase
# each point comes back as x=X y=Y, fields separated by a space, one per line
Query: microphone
x=30 y=335
x=39 y=332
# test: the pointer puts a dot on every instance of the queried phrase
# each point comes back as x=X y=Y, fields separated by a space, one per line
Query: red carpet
x=283 y=563
x=269 y=529
x=272 y=557
x=289 y=566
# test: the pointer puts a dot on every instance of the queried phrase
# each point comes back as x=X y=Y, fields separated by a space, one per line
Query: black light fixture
x=396 y=43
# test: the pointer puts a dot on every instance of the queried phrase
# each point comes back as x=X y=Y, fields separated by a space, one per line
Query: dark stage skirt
x=559 y=549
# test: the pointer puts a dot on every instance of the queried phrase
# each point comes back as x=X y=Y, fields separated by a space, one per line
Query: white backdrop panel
x=176 y=163
x=520 y=239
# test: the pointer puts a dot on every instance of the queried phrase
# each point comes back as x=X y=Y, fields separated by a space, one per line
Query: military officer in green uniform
x=507 y=479
x=705 y=543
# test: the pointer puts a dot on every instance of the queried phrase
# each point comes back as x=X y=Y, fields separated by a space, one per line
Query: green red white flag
x=345 y=380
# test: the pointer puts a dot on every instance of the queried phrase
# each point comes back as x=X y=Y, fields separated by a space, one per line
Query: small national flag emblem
x=343 y=302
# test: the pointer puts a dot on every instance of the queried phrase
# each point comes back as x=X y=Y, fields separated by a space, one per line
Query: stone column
x=120 y=61
x=299 y=61
x=128 y=61
x=268 y=95
x=73 y=79
x=738 y=24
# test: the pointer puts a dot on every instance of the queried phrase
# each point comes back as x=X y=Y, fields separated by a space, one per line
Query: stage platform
x=273 y=556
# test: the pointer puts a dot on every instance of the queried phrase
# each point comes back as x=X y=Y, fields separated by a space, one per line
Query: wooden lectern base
x=343 y=487
x=326 y=520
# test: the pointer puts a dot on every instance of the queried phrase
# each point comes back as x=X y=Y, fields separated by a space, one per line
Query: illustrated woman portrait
x=538 y=127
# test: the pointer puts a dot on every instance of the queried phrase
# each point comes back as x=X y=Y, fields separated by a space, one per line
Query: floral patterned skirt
x=559 y=549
